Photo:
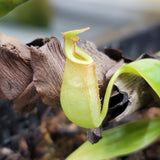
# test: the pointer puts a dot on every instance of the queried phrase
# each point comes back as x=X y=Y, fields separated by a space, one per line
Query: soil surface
x=46 y=134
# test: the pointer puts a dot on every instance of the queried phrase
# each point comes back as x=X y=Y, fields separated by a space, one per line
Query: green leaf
x=148 y=69
x=7 y=5
x=35 y=13
x=120 y=141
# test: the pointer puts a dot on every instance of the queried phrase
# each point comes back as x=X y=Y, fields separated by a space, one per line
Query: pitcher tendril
x=79 y=92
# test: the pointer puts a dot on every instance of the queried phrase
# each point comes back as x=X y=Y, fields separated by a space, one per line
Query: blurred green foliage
x=7 y=5
x=35 y=12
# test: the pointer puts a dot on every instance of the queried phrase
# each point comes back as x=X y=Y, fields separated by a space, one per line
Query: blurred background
x=108 y=19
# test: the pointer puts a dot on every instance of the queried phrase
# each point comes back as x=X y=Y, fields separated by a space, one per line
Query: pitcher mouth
x=72 y=51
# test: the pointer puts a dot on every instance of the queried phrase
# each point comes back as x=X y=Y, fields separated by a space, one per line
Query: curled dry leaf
x=117 y=104
x=27 y=100
x=16 y=73
x=140 y=94
x=48 y=64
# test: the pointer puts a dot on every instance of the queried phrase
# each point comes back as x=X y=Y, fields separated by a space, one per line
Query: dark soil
x=46 y=134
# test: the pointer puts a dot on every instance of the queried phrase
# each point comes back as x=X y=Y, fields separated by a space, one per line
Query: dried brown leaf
x=48 y=64
x=27 y=100
x=16 y=72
